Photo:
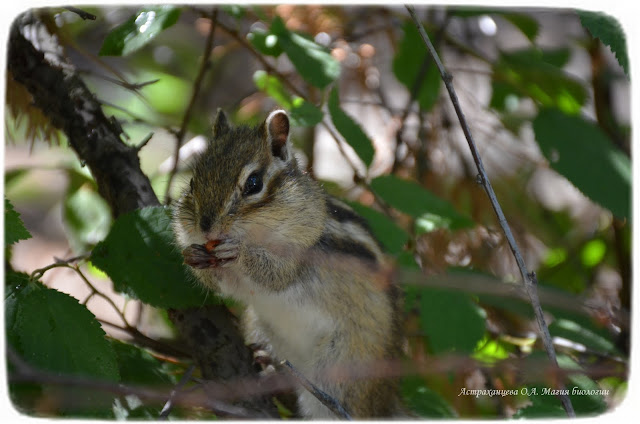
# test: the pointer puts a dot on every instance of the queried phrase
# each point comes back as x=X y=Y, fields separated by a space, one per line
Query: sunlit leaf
x=525 y=73
x=413 y=199
x=138 y=30
x=593 y=252
x=314 y=63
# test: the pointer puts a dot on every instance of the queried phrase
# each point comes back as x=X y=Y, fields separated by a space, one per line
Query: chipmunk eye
x=253 y=184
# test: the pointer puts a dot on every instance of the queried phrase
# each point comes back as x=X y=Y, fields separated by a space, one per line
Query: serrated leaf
x=609 y=31
x=54 y=332
x=314 y=63
x=465 y=321
x=138 y=30
x=139 y=256
x=350 y=131
x=582 y=152
x=392 y=237
x=414 y=200
x=138 y=367
x=408 y=63
x=14 y=229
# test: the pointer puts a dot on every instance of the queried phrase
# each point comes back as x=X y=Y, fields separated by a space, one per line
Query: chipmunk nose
x=205 y=223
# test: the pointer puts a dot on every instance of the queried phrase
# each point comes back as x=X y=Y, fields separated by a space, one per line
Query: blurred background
x=517 y=73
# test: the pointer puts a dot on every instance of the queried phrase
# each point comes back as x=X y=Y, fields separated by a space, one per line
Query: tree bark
x=36 y=61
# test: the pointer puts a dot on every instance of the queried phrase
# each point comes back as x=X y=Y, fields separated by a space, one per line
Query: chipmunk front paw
x=212 y=254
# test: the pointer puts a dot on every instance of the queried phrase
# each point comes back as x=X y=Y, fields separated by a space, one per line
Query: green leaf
x=582 y=152
x=609 y=31
x=465 y=321
x=14 y=229
x=169 y=95
x=304 y=114
x=138 y=30
x=549 y=405
x=419 y=398
x=265 y=42
x=525 y=23
x=140 y=258
x=314 y=62
x=575 y=332
x=392 y=237
x=54 y=332
x=593 y=252
x=414 y=200
x=272 y=86
x=408 y=63
x=87 y=218
x=351 y=132
x=528 y=75
x=234 y=10
x=138 y=367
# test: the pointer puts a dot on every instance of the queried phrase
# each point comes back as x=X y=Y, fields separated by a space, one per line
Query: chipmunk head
x=247 y=176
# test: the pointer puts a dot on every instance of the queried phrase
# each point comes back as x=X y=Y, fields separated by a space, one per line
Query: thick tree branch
x=35 y=60
x=529 y=279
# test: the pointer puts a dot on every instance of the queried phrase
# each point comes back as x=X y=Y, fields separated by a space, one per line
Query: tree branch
x=529 y=279
x=36 y=61
x=63 y=97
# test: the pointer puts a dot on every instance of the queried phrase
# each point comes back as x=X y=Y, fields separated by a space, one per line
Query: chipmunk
x=256 y=228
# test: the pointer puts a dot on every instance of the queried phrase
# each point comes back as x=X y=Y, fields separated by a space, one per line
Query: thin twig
x=204 y=66
x=166 y=409
x=267 y=66
x=24 y=372
x=529 y=279
x=144 y=141
x=323 y=397
x=84 y=15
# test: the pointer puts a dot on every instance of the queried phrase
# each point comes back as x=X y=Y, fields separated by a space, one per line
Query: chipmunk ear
x=220 y=125
x=277 y=129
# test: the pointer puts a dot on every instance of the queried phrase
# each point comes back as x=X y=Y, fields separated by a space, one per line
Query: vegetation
x=360 y=81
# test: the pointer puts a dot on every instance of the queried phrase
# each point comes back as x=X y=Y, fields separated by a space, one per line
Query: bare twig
x=323 y=397
x=144 y=141
x=267 y=66
x=529 y=279
x=166 y=409
x=204 y=66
